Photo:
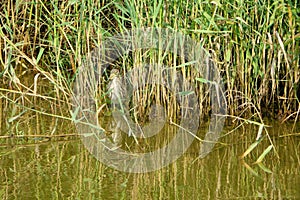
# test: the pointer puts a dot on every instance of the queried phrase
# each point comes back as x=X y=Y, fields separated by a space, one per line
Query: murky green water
x=64 y=169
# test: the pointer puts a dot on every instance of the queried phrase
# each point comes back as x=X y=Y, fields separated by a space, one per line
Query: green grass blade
x=262 y=156
x=264 y=168
x=251 y=147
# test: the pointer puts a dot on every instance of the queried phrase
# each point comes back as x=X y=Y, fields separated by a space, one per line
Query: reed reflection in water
x=65 y=170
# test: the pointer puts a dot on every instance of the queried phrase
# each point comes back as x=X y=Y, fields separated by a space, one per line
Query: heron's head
x=113 y=74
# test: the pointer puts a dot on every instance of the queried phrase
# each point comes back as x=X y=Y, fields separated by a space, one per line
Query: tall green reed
x=255 y=46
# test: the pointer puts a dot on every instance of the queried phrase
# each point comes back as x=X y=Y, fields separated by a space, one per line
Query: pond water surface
x=64 y=169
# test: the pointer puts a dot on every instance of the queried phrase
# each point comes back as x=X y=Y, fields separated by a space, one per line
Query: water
x=63 y=169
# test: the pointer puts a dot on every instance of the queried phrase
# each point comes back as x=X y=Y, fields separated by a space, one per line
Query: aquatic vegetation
x=254 y=45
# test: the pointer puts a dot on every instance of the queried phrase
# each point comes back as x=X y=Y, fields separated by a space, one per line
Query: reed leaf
x=263 y=155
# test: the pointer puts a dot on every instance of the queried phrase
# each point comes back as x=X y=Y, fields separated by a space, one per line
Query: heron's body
x=115 y=87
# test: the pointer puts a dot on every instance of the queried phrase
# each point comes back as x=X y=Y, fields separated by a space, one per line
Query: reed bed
x=254 y=44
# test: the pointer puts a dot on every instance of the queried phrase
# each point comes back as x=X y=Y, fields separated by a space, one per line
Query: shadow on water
x=64 y=169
